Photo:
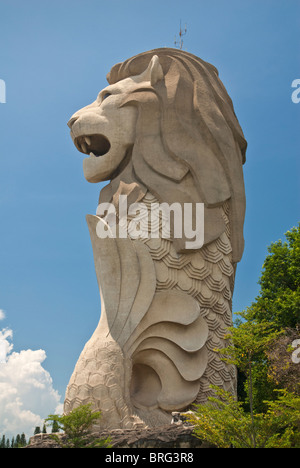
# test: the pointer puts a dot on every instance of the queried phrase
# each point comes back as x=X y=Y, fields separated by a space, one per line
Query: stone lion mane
x=201 y=149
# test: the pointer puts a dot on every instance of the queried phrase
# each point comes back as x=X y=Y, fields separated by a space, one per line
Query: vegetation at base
x=267 y=411
x=224 y=423
x=16 y=442
x=38 y=430
x=77 y=427
x=20 y=441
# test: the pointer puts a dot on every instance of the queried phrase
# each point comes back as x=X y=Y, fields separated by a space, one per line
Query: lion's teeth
x=92 y=154
x=84 y=147
x=87 y=140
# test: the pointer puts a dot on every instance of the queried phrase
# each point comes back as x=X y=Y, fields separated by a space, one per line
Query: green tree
x=278 y=304
x=224 y=423
x=77 y=427
x=55 y=427
x=23 y=440
x=37 y=430
x=18 y=440
x=249 y=340
x=2 y=443
x=278 y=301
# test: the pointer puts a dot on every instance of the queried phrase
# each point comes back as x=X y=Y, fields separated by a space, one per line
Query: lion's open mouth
x=96 y=144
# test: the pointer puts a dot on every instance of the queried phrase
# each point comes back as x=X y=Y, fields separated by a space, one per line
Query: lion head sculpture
x=166 y=124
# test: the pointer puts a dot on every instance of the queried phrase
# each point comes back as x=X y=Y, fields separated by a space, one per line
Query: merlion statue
x=163 y=131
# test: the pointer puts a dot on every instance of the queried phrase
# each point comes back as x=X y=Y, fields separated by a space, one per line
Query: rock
x=169 y=436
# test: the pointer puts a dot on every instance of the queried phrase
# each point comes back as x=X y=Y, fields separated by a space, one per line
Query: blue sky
x=54 y=57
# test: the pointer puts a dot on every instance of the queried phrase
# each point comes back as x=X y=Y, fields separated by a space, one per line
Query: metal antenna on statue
x=179 y=43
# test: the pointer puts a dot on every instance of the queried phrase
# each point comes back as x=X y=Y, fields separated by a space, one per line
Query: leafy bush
x=224 y=423
x=77 y=426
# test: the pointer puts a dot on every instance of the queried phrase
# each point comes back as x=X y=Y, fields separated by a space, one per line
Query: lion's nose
x=71 y=121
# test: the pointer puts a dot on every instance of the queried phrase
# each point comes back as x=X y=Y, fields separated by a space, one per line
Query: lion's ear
x=154 y=70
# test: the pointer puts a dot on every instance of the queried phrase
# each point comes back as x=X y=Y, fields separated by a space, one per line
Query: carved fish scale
x=208 y=276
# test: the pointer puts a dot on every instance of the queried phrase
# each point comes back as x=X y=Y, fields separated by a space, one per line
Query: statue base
x=173 y=436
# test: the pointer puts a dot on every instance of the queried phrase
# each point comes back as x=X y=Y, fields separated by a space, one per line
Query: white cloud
x=27 y=395
x=2 y=314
